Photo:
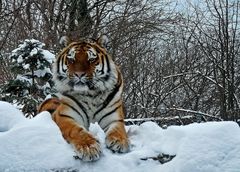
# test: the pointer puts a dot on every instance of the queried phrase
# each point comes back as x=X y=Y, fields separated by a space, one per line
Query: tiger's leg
x=116 y=136
x=87 y=146
x=49 y=105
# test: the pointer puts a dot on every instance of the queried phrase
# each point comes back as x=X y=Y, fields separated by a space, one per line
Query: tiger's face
x=82 y=62
x=84 y=67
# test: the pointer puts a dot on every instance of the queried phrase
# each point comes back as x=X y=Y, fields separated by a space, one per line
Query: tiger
x=90 y=87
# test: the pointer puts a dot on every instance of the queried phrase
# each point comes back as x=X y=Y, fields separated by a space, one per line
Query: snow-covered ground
x=37 y=145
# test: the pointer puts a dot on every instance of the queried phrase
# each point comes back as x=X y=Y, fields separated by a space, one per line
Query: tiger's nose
x=79 y=74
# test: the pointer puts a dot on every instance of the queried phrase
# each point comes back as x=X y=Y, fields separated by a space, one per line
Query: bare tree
x=217 y=39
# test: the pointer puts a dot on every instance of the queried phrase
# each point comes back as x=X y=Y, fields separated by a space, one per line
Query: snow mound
x=9 y=116
x=37 y=145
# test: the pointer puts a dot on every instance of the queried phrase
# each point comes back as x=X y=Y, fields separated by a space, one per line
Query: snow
x=37 y=145
x=42 y=72
x=26 y=66
x=9 y=116
x=34 y=52
x=20 y=59
x=50 y=57
x=24 y=79
x=38 y=48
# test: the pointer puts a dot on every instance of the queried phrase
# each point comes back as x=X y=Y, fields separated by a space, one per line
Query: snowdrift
x=37 y=145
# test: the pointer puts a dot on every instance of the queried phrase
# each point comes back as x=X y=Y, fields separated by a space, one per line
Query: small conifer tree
x=31 y=64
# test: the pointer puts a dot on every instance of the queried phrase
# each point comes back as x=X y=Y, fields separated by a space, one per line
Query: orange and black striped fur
x=91 y=91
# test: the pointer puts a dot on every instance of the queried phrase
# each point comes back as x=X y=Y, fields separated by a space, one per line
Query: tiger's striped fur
x=91 y=88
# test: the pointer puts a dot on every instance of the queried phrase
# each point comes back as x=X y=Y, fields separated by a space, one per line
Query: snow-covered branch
x=156 y=119
x=195 y=112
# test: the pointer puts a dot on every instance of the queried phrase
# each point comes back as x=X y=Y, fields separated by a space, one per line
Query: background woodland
x=180 y=60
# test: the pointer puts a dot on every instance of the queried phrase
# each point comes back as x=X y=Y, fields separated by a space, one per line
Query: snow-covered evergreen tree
x=31 y=64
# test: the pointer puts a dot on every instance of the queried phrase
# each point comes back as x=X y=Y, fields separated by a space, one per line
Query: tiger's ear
x=64 y=41
x=103 y=41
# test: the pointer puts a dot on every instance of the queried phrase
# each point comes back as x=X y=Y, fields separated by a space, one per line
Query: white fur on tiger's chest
x=92 y=104
x=95 y=107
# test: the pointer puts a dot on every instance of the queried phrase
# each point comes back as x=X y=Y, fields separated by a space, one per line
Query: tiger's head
x=85 y=67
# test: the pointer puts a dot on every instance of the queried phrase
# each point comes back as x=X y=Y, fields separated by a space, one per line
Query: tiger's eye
x=70 y=60
x=92 y=60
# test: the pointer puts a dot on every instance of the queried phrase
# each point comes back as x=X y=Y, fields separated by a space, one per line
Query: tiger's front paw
x=87 y=147
x=117 y=142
